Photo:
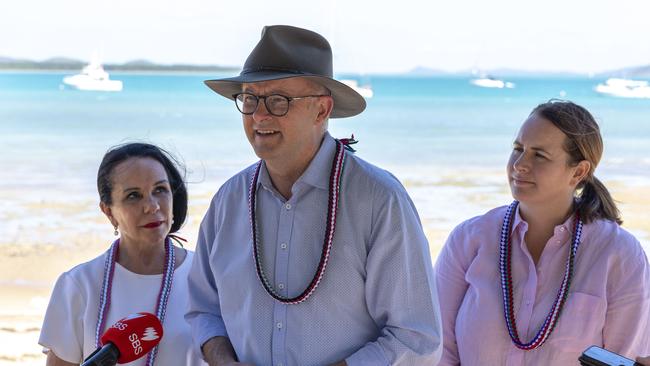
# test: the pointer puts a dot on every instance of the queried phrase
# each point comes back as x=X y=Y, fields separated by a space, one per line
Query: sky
x=366 y=36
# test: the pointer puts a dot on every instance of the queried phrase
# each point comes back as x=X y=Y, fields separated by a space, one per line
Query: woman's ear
x=581 y=170
x=106 y=209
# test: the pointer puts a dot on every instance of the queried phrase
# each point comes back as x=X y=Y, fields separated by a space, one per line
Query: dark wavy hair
x=120 y=153
x=583 y=142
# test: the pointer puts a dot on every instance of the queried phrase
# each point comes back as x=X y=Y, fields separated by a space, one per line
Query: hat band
x=277 y=69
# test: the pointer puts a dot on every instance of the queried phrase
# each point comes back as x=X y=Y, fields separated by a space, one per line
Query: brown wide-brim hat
x=287 y=52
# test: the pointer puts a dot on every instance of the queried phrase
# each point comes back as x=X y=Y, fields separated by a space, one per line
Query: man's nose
x=261 y=112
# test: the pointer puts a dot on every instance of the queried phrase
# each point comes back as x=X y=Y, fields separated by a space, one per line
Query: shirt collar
x=264 y=179
x=317 y=173
x=519 y=221
x=566 y=226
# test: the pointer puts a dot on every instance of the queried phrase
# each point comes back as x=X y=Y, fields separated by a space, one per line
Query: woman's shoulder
x=76 y=286
x=489 y=222
x=189 y=255
x=482 y=231
x=186 y=265
x=613 y=239
x=86 y=272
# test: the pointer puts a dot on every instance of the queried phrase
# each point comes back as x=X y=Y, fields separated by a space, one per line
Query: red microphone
x=127 y=340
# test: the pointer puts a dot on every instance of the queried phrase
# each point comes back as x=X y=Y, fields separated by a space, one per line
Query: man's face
x=293 y=136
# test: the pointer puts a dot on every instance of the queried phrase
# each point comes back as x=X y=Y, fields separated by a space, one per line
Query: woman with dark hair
x=144 y=197
x=540 y=280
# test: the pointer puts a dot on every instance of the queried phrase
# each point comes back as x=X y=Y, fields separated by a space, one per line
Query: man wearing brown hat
x=311 y=256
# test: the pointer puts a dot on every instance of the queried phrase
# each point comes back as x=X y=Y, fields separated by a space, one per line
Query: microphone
x=127 y=340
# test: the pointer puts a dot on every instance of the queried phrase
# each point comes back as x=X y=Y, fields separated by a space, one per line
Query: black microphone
x=106 y=355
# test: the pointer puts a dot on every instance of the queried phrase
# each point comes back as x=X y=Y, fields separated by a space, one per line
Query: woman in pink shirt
x=540 y=280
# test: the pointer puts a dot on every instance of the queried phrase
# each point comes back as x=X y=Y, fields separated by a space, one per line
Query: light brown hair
x=583 y=142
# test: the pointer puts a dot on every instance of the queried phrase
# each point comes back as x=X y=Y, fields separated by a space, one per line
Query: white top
x=71 y=317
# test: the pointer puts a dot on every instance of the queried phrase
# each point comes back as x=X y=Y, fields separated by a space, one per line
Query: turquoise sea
x=446 y=139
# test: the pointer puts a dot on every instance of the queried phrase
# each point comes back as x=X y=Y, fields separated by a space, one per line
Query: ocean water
x=446 y=139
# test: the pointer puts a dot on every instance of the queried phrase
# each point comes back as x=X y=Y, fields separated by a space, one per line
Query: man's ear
x=325 y=106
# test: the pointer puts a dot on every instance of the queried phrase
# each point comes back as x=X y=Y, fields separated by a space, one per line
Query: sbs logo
x=150 y=334
x=120 y=326
x=135 y=343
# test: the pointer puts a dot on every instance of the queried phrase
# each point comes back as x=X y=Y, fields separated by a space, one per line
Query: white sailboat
x=492 y=82
x=624 y=88
x=93 y=77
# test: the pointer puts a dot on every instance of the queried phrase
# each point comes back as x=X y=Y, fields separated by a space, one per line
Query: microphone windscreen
x=134 y=336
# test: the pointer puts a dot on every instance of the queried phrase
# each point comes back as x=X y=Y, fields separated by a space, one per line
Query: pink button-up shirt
x=608 y=303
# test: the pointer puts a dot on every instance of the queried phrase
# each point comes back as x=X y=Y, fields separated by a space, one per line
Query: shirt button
x=281 y=286
x=279 y=325
x=557 y=241
x=562 y=228
x=283 y=245
x=287 y=206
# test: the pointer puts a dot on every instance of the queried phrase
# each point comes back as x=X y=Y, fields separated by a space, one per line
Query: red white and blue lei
x=333 y=203
x=112 y=257
x=505 y=267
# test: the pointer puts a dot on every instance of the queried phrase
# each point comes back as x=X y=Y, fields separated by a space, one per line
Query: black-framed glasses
x=276 y=104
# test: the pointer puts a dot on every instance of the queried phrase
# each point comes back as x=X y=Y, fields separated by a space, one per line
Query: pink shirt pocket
x=581 y=323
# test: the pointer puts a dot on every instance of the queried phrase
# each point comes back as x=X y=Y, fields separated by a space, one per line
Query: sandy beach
x=445 y=139
x=28 y=271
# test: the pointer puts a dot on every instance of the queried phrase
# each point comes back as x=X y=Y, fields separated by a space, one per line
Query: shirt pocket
x=581 y=323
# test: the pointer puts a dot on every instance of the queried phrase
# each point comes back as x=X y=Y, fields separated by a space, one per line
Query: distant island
x=627 y=72
x=425 y=71
x=68 y=64
x=632 y=72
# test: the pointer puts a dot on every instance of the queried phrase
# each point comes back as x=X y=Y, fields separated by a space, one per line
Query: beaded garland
x=112 y=257
x=505 y=267
x=333 y=202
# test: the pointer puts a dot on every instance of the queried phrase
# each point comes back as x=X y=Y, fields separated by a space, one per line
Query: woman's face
x=538 y=168
x=141 y=201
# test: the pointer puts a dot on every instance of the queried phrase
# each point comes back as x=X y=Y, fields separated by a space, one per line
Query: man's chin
x=265 y=152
